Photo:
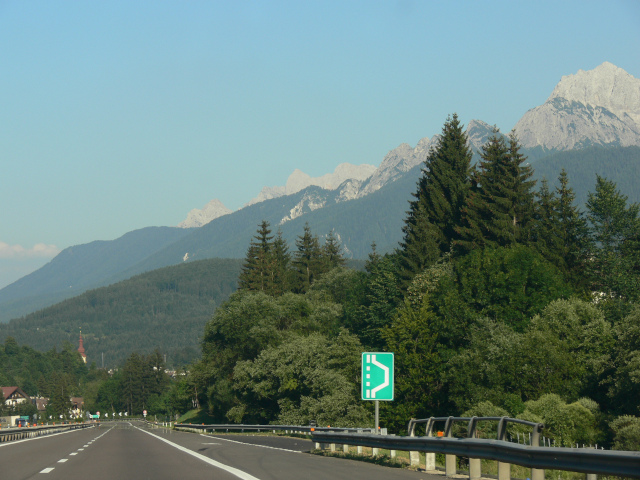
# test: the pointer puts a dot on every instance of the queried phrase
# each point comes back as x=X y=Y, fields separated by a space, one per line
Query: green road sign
x=377 y=376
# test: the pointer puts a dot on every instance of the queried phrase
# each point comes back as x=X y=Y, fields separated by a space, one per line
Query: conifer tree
x=281 y=259
x=499 y=210
x=614 y=228
x=435 y=212
x=574 y=234
x=524 y=196
x=373 y=258
x=332 y=252
x=421 y=247
x=547 y=237
x=307 y=260
x=257 y=270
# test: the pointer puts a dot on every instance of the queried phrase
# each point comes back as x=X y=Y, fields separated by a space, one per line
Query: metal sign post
x=377 y=379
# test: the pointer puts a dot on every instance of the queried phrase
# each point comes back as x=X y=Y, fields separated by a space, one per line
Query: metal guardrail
x=475 y=466
x=266 y=428
x=12 y=434
x=472 y=426
x=589 y=461
x=604 y=462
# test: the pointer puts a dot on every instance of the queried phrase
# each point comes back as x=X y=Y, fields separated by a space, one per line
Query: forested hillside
x=56 y=374
x=620 y=165
x=79 y=268
x=165 y=309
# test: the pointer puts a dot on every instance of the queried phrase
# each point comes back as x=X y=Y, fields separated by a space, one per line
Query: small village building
x=14 y=396
x=41 y=403
x=77 y=406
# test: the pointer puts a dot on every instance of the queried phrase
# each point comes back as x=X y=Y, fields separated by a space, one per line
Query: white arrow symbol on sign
x=386 y=376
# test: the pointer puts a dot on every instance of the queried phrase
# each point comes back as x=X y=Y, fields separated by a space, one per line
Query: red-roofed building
x=14 y=396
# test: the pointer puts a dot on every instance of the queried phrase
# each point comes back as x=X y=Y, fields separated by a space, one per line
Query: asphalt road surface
x=133 y=450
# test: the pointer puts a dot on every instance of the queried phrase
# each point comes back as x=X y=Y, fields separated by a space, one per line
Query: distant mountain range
x=593 y=114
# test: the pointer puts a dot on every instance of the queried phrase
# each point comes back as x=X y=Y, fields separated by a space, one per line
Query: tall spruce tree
x=435 y=213
x=499 y=210
x=524 y=195
x=281 y=276
x=332 y=252
x=574 y=234
x=307 y=260
x=420 y=248
x=257 y=270
x=547 y=237
x=614 y=228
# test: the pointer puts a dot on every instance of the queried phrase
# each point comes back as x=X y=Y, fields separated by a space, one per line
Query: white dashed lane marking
x=63 y=460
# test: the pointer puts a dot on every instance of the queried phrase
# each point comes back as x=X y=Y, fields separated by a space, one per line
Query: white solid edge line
x=234 y=471
x=250 y=444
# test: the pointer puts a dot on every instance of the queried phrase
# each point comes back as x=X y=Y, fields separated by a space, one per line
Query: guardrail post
x=536 y=473
x=414 y=457
x=475 y=465
x=504 y=469
x=430 y=457
x=392 y=453
x=345 y=446
x=450 y=460
x=592 y=476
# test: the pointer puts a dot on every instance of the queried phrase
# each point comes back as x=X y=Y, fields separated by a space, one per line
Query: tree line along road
x=124 y=450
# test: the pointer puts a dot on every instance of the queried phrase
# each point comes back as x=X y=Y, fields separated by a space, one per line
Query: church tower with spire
x=81 y=349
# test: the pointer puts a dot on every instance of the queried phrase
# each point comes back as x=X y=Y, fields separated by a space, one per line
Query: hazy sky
x=120 y=115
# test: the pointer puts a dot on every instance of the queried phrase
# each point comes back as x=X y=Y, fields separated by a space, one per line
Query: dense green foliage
x=436 y=211
x=499 y=209
x=55 y=375
x=140 y=384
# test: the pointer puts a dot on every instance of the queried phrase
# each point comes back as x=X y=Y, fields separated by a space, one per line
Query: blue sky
x=119 y=115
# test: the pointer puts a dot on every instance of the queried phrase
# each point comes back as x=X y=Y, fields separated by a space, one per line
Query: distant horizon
x=123 y=115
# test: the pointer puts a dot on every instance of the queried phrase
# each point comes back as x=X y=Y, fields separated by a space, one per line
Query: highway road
x=124 y=450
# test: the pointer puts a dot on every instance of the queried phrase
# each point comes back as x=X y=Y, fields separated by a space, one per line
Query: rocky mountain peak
x=478 y=132
x=595 y=107
x=299 y=180
x=605 y=86
x=198 y=217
